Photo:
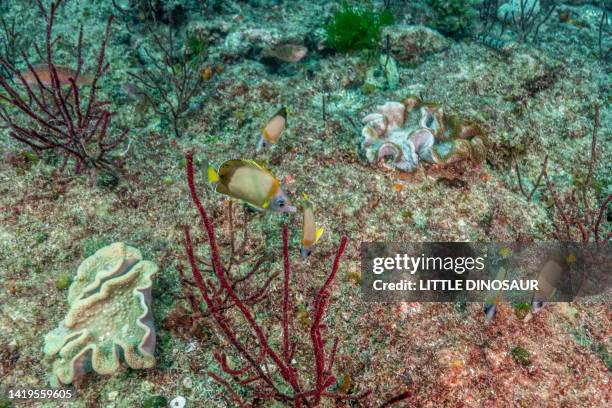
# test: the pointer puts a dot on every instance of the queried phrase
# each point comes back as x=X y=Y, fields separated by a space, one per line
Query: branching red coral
x=576 y=220
x=46 y=110
x=262 y=370
x=191 y=323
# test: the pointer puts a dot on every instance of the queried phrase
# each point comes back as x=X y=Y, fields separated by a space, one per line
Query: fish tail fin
x=490 y=310
x=260 y=142
x=213 y=176
x=318 y=234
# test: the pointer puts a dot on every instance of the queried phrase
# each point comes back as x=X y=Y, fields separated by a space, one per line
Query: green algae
x=63 y=282
x=356 y=28
x=521 y=356
x=41 y=237
x=156 y=401
x=5 y=402
x=92 y=244
x=521 y=309
x=107 y=179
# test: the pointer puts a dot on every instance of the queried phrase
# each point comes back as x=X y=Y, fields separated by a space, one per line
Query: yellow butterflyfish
x=273 y=130
x=252 y=183
x=310 y=233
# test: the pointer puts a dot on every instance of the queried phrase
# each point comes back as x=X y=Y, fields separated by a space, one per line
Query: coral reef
x=110 y=318
x=577 y=216
x=412 y=130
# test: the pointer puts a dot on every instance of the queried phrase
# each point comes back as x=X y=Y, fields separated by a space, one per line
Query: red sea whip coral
x=268 y=373
x=50 y=114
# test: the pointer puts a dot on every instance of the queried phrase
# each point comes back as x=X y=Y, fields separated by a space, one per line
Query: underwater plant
x=355 y=28
x=574 y=218
x=453 y=17
x=151 y=11
x=266 y=371
x=173 y=74
x=487 y=12
x=521 y=356
x=190 y=323
x=44 y=106
x=526 y=17
x=11 y=40
x=604 y=24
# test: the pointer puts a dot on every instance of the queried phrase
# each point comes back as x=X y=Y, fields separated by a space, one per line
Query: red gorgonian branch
x=266 y=370
x=45 y=108
x=576 y=220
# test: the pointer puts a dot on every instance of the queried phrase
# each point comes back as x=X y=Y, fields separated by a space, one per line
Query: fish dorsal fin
x=260 y=165
x=246 y=162
x=318 y=234
x=229 y=167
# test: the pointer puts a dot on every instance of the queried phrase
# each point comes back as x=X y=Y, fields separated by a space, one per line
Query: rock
x=242 y=42
x=390 y=70
x=109 y=321
x=409 y=43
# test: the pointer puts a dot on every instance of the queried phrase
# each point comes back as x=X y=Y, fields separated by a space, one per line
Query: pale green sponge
x=109 y=321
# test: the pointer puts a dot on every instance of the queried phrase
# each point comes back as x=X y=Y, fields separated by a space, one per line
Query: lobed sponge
x=109 y=321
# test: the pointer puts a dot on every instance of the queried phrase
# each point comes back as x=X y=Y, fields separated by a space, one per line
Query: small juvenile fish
x=273 y=130
x=44 y=74
x=287 y=52
x=310 y=234
x=252 y=183
x=494 y=298
x=550 y=275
